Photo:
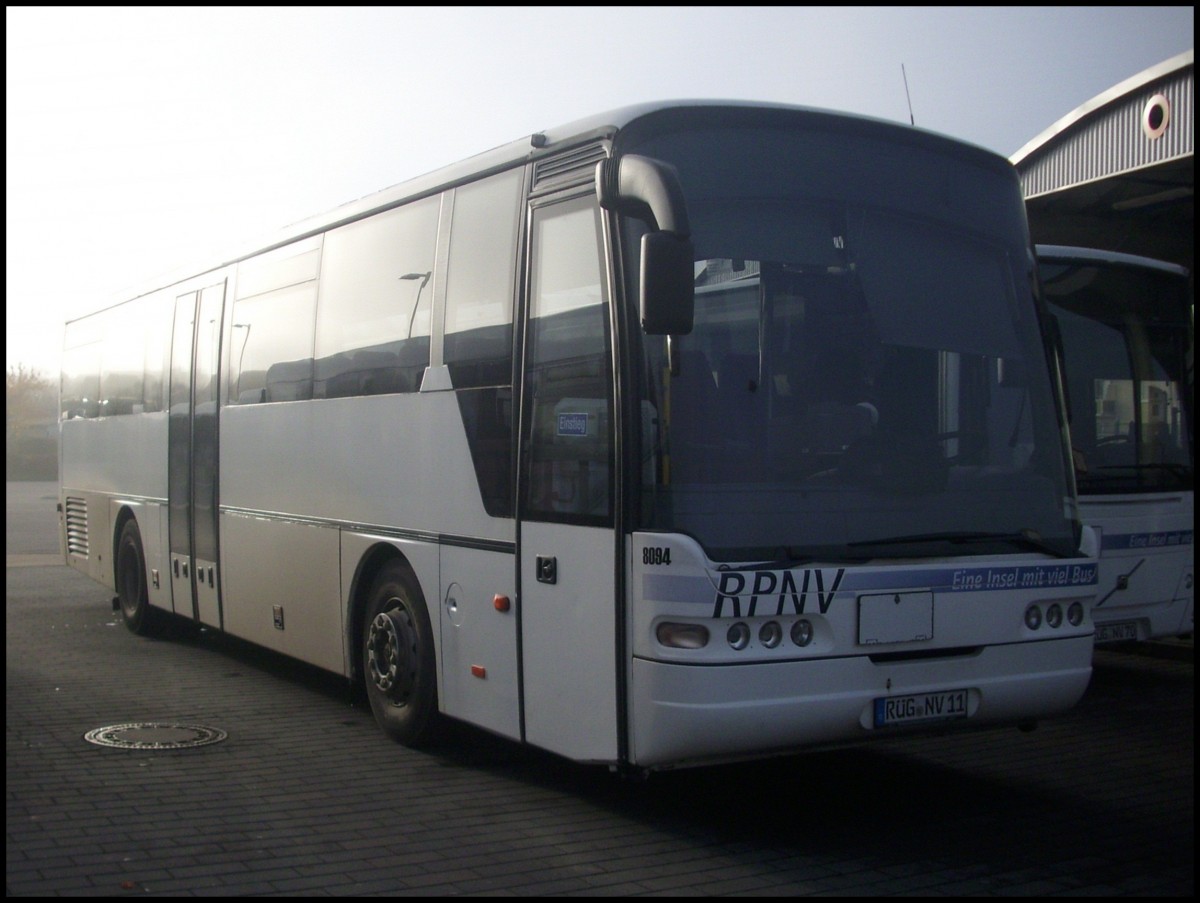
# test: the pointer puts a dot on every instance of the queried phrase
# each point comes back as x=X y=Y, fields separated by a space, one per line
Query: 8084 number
x=656 y=555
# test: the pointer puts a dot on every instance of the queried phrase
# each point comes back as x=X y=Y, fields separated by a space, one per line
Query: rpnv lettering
x=735 y=586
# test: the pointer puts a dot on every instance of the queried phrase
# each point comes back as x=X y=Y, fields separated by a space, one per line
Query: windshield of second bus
x=1126 y=334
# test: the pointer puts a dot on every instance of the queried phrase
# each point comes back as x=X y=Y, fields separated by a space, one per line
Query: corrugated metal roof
x=1106 y=137
x=1118 y=172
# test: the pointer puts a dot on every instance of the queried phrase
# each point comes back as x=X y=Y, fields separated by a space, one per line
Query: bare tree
x=31 y=415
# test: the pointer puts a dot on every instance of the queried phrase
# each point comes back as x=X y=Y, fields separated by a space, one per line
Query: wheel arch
x=373 y=560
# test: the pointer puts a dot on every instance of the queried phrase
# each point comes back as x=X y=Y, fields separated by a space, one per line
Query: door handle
x=547 y=569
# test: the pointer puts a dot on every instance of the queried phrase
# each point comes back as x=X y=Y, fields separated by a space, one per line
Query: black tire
x=132 y=590
x=398 y=664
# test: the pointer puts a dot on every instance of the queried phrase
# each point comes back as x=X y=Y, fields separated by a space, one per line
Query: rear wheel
x=132 y=590
x=398 y=658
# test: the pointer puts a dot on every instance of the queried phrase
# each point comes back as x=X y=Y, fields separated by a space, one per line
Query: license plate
x=895 y=618
x=1117 y=632
x=948 y=704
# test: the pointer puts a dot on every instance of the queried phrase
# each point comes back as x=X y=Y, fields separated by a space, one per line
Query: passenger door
x=192 y=455
x=566 y=539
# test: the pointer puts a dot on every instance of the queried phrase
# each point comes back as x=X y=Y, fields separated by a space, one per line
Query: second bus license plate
x=1117 y=632
x=942 y=706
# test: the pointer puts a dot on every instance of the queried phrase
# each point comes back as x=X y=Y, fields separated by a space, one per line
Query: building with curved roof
x=1118 y=173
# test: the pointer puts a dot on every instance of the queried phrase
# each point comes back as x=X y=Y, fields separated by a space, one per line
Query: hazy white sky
x=138 y=137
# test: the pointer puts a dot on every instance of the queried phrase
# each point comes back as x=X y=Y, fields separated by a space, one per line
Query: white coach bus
x=689 y=432
x=1127 y=335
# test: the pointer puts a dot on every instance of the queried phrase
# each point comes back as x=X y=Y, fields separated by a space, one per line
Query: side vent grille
x=77 y=526
x=577 y=165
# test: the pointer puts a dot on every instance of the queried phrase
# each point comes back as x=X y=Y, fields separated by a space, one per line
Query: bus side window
x=272 y=345
x=477 y=346
x=80 y=396
x=373 y=318
x=479 y=281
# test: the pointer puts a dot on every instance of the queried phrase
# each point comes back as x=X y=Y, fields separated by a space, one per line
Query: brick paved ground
x=306 y=797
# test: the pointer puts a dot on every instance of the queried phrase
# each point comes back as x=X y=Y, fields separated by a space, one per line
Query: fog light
x=802 y=633
x=682 y=636
x=739 y=636
x=1075 y=614
x=1054 y=615
x=1033 y=617
x=770 y=634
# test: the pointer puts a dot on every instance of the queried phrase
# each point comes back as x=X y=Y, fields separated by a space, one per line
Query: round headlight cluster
x=1075 y=614
x=802 y=632
x=738 y=636
x=1052 y=616
x=770 y=634
x=682 y=635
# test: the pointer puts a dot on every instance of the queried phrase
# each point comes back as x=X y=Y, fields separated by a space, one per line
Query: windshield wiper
x=1022 y=539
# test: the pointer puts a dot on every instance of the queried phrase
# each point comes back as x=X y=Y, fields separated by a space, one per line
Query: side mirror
x=649 y=190
x=667 y=284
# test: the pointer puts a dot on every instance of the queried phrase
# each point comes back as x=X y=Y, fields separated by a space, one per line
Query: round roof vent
x=1156 y=116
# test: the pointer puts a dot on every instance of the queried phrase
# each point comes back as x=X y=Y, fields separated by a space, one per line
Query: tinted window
x=479 y=283
x=568 y=381
x=80 y=396
x=373 y=320
x=271 y=340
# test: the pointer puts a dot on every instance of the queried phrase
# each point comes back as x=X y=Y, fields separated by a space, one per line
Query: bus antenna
x=911 y=120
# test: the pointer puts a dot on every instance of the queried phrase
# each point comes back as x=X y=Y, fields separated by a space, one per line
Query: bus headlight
x=1075 y=614
x=682 y=636
x=1054 y=615
x=739 y=636
x=770 y=634
x=1033 y=617
x=802 y=632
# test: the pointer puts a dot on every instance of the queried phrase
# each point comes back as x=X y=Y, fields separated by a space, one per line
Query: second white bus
x=1126 y=324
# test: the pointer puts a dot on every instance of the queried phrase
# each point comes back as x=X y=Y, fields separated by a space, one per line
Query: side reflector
x=478 y=671
x=501 y=603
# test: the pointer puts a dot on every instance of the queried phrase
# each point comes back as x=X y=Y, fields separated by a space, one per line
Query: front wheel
x=132 y=591
x=398 y=658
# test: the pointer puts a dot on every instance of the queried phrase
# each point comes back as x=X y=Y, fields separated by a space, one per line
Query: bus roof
x=594 y=128
x=1054 y=252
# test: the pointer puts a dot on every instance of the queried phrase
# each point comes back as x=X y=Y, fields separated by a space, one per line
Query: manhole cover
x=154 y=735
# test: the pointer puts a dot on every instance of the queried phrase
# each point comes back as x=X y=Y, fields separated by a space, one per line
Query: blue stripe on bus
x=1147 y=540
x=681 y=588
